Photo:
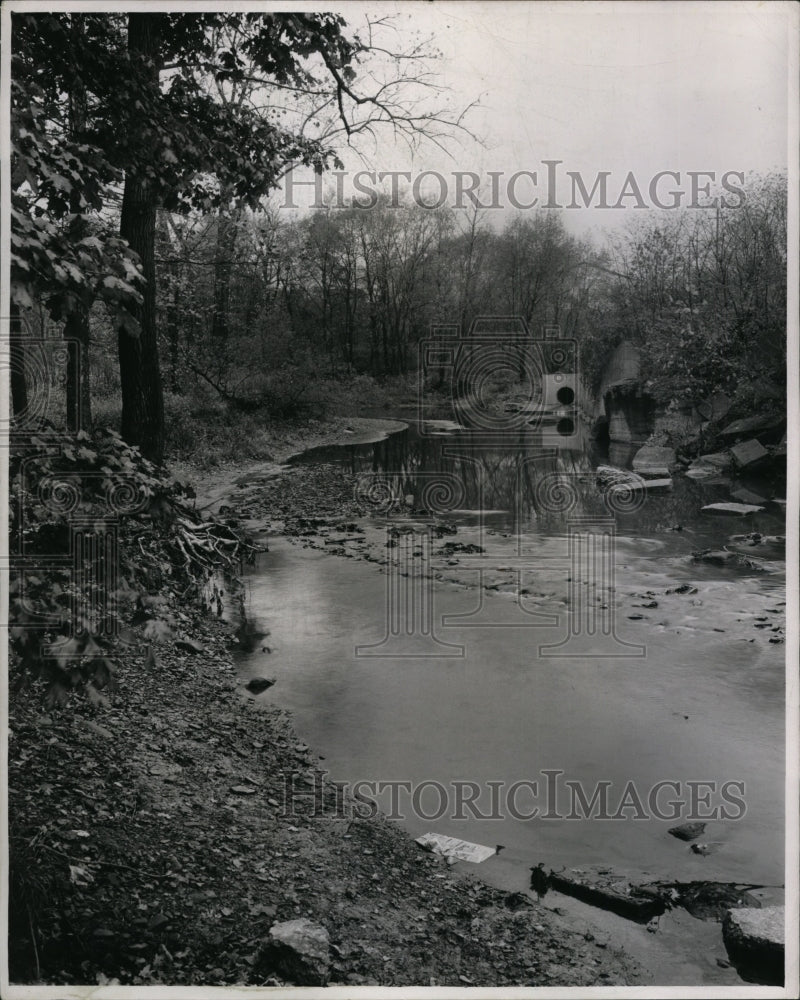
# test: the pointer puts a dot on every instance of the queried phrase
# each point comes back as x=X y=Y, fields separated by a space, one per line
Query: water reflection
x=523 y=483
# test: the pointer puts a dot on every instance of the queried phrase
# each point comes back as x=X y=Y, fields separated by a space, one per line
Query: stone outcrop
x=748 y=453
x=754 y=939
x=297 y=951
x=628 y=409
x=654 y=461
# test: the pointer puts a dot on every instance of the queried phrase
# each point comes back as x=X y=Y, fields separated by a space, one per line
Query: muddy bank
x=213 y=486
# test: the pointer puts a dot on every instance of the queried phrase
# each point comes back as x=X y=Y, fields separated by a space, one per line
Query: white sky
x=639 y=87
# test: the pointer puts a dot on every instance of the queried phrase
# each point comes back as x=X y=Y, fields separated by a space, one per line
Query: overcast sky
x=606 y=86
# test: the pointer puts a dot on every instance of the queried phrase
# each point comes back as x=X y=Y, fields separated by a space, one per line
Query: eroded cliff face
x=630 y=413
x=622 y=411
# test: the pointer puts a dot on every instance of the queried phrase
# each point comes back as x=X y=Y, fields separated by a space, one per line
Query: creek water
x=703 y=703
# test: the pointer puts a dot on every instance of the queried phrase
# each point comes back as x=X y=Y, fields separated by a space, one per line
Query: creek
x=480 y=695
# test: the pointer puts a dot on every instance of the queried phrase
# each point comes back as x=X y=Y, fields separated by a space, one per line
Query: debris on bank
x=455 y=849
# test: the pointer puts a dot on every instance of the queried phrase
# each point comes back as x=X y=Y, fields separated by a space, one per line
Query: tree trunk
x=171 y=269
x=226 y=247
x=140 y=376
x=19 y=384
x=173 y=332
x=76 y=330
x=77 y=335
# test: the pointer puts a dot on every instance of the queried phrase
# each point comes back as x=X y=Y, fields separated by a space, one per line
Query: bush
x=96 y=527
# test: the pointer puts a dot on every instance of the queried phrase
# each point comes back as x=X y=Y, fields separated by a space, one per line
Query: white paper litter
x=452 y=847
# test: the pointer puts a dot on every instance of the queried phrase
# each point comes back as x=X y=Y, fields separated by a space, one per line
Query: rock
x=623 y=489
x=731 y=508
x=715 y=407
x=653 y=471
x=258 y=684
x=190 y=646
x=748 y=453
x=705 y=849
x=591 y=890
x=687 y=831
x=747 y=496
x=703 y=900
x=609 y=475
x=684 y=588
x=754 y=939
x=702 y=471
x=298 y=951
x=763 y=546
x=719 y=459
x=751 y=425
x=653 y=456
x=716 y=557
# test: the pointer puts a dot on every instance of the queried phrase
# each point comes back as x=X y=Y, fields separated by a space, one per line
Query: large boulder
x=753 y=425
x=652 y=457
x=631 y=413
x=754 y=939
x=748 y=453
x=715 y=407
x=297 y=951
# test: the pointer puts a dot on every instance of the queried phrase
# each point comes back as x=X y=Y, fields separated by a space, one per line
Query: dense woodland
x=147 y=150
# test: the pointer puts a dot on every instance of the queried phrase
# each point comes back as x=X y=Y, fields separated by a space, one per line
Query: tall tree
x=140 y=375
x=76 y=330
x=153 y=114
